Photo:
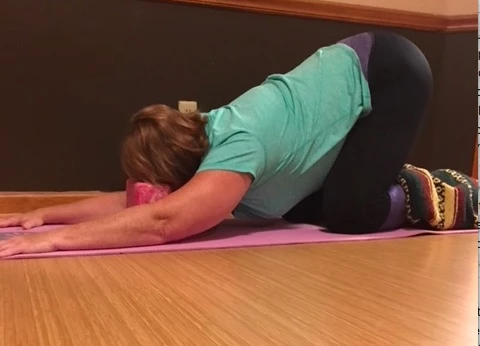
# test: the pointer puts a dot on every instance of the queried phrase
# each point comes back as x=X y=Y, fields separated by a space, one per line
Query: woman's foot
x=443 y=199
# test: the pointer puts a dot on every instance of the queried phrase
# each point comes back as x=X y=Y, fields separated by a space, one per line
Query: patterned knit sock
x=442 y=199
x=397 y=215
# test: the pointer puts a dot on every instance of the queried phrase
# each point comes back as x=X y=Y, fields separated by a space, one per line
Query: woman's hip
x=383 y=54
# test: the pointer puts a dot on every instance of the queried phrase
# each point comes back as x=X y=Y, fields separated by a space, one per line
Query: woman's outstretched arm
x=70 y=213
x=201 y=204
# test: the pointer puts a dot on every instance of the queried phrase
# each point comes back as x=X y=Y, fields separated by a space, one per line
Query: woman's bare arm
x=71 y=213
x=201 y=204
x=85 y=210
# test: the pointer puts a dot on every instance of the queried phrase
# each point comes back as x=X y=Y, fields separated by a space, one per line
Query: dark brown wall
x=72 y=72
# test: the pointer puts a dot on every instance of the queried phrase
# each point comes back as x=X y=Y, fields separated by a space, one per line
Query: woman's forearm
x=85 y=210
x=134 y=226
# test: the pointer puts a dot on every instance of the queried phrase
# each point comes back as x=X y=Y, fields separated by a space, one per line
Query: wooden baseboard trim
x=345 y=12
x=465 y=23
x=21 y=202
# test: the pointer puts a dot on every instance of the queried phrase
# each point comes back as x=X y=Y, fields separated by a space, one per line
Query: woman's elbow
x=169 y=228
x=182 y=226
x=162 y=230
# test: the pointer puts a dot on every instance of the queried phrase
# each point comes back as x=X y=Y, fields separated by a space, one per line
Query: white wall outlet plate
x=187 y=107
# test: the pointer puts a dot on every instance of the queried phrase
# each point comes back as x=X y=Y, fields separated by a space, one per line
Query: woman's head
x=164 y=146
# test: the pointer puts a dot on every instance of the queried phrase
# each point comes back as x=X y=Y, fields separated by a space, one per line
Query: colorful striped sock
x=443 y=199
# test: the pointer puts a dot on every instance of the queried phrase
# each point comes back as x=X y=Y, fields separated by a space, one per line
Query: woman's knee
x=347 y=218
x=354 y=216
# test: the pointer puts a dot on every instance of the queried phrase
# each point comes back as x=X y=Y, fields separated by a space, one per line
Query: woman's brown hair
x=164 y=146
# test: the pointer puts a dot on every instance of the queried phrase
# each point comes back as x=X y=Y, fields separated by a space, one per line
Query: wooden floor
x=419 y=291
x=21 y=202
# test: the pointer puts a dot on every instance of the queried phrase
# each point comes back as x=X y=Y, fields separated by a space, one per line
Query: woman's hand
x=26 y=221
x=28 y=243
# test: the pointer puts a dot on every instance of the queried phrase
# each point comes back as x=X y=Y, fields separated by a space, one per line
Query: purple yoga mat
x=234 y=237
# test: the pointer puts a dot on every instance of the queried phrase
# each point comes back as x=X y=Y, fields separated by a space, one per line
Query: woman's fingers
x=10 y=221
x=8 y=247
x=3 y=245
x=28 y=243
x=32 y=223
x=9 y=250
x=26 y=221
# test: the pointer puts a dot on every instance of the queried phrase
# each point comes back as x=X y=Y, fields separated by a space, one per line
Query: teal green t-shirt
x=287 y=132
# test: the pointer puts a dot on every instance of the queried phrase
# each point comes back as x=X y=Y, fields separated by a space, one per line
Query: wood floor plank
x=418 y=291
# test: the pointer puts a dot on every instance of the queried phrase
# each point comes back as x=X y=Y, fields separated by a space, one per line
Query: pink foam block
x=143 y=193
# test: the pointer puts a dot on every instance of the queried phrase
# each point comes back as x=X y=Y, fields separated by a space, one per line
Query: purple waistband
x=362 y=45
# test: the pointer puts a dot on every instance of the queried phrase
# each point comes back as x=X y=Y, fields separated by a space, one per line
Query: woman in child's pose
x=320 y=144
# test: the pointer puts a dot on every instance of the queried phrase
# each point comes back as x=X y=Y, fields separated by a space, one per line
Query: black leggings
x=354 y=197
